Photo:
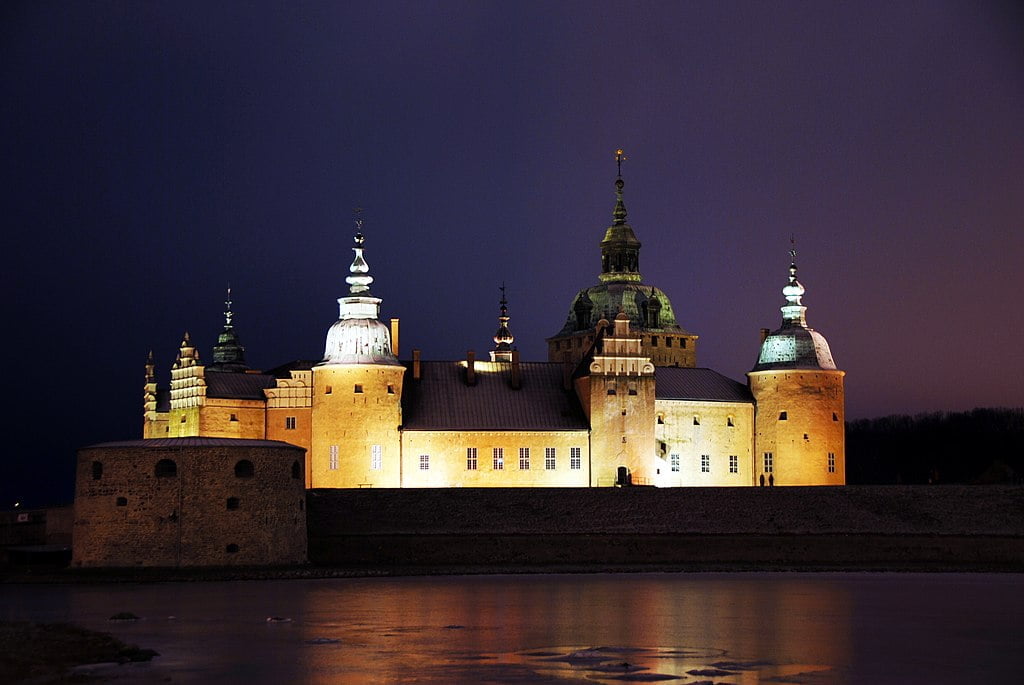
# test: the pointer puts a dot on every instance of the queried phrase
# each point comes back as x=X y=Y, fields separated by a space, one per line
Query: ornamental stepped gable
x=620 y=400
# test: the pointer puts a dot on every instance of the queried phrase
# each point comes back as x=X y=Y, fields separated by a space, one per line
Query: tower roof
x=503 y=337
x=358 y=337
x=228 y=353
x=794 y=345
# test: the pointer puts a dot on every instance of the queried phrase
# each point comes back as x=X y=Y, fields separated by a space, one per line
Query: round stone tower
x=357 y=393
x=799 y=424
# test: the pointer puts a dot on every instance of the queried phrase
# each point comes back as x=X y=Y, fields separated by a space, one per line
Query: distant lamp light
x=17 y=504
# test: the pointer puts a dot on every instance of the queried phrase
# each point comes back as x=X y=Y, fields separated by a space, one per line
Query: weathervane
x=359 y=225
x=620 y=157
x=792 y=247
x=228 y=314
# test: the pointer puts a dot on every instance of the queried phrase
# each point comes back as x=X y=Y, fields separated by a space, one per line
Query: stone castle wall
x=189 y=502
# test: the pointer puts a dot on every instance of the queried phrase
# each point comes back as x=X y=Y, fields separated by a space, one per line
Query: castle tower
x=188 y=391
x=154 y=422
x=228 y=353
x=799 y=416
x=618 y=396
x=621 y=288
x=503 y=337
x=357 y=391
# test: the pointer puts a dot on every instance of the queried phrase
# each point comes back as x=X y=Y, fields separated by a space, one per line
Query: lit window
x=524 y=458
x=831 y=462
x=705 y=463
x=424 y=462
x=575 y=462
x=289 y=423
x=334 y=458
x=376 y=457
x=471 y=459
x=783 y=416
x=549 y=458
x=674 y=462
x=734 y=463
x=499 y=458
x=358 y=389
x=768 y=462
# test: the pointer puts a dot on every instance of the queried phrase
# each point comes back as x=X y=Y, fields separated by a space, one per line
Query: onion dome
x=228 y=353
x=795 y=345
x=358 y=337
x=503 y=337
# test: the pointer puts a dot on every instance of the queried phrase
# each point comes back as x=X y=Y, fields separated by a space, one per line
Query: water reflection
x=740 y=629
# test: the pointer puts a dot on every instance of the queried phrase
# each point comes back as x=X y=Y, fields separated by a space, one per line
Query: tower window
x=122 y=501
x=289 y=423
x=358 y=389
x=674 y=462
x=183 y=418
x=471 y=459
x=234 y=417
x=835 y=416
x=328 y=390
x=499 y=458
x=654 y=341
x=232 y=503
x=734 y=463
x=231 y=548
x=391 y=389
x=611 y=391
x=729 y=422
x=783 y=416
x=575 y=462
x=244 y=469
x=376 y=457
x=769 y=462
x=97 y=470
x=831 y=462
x=165 y=468
x=524 y=458
x=682 y=343
x=549 y=458
x=424 y=462
x=705 y=463
x=632 y=388
x=668 y=342
x=333 y=463
x=696 y=420
x=660 y=420
x=295 y=470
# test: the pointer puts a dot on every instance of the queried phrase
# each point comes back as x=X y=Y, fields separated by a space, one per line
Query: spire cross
x=792 y=247
x=359 y=225
x=620 y=157
x=228 y=314
x=502 y=289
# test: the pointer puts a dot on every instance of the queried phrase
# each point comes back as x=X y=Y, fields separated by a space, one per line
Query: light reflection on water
x=740 y=629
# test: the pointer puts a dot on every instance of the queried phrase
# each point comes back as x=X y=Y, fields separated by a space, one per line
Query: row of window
x=168 y=468
x=769 y=462
x=231 y=504
x=784 y=416
x=357 y=389
x=472 y=459
x=705 y=463
x=729 y=421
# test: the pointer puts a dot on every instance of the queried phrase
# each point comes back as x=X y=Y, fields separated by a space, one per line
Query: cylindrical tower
x=357 y=394
x=800 y=436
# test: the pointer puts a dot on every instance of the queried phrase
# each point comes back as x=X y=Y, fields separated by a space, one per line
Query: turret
x=357 y=391
x=503 y=337
x=799 y=417
x=228 y=353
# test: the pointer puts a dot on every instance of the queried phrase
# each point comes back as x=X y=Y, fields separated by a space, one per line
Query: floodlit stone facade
x=189 y=502
x=621 y=400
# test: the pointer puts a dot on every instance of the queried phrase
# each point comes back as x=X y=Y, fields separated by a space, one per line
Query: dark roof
x=673 y=383
x=237 y=386
x=195 y=442
x=284 y=370
x=441 y=400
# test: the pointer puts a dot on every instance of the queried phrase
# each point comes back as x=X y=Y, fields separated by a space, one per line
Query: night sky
x=153 y=153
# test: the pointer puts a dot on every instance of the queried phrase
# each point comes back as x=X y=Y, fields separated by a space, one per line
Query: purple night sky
x=154 y=152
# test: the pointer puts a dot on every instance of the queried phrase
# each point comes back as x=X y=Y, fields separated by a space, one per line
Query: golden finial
x=620 y=157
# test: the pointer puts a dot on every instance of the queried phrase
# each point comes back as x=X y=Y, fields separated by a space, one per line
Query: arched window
x=165 y=468
x=295 y=470
x=244 y=469
x=97 y=470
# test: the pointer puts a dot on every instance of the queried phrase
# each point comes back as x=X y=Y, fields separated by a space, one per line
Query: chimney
x=394 y=337
x=470 y=368
x=567 y=370
x=764 y=334
x=516 y=380
x=416 y=372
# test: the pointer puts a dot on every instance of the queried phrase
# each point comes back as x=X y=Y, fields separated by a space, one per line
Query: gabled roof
x=441 y=399
x=237 y=386
x=673 y=383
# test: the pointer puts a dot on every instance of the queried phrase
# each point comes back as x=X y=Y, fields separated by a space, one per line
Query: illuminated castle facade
x=619 y=401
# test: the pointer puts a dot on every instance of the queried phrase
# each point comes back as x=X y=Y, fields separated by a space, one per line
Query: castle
x=620 y=400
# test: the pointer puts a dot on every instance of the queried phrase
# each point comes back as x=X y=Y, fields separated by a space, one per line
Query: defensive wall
x=565 y=529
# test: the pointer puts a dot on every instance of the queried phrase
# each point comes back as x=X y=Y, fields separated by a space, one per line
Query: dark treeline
x=978 y=446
